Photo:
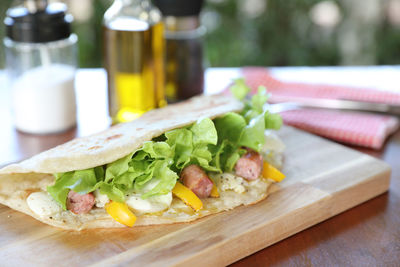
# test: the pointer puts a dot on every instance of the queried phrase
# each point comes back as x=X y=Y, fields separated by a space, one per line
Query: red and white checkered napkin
x=368 y=130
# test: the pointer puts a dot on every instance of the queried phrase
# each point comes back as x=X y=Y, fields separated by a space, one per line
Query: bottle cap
x=179 y=8
x=47 y=25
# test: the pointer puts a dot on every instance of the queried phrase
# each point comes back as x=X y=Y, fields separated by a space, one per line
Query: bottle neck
x=133 y=2
x=139 y=9
x=34 y=6
x=187 y=23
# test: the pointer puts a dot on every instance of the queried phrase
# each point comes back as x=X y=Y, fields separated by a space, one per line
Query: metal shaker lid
x=179 y=8
x=51 y=23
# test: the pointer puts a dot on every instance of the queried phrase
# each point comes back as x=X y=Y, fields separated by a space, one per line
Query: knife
x=338 y=104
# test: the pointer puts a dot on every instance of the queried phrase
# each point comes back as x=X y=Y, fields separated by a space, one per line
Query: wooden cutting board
x=323 y=179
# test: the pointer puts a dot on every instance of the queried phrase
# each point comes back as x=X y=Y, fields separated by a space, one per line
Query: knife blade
x=336 y=104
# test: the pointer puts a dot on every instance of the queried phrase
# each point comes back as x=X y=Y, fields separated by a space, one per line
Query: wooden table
x=367 y=235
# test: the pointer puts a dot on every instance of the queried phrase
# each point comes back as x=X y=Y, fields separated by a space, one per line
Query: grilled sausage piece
x=78 y=203
x=249 y=166
x=196 y=180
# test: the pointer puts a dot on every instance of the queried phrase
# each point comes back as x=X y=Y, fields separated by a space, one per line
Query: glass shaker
x=184 y=48
x=41 y=59
x=133 y=58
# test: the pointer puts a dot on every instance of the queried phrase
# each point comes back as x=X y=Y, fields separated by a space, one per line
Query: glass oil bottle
x=133 y=58
x=184 y=36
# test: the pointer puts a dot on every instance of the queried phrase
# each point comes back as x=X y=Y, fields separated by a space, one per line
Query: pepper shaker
x=184 y=48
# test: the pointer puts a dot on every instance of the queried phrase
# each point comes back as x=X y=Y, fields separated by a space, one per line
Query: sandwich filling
x=184 y=169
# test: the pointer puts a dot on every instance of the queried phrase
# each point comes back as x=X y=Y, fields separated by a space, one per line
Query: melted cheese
x=151 y=204
x=42 y=204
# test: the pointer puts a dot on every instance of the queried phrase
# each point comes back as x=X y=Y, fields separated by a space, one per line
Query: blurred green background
x=270 y=32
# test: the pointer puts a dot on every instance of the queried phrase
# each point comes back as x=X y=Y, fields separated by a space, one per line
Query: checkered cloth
x=356 y=128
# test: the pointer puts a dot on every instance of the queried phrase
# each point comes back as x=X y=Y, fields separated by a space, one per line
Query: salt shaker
x=41 y=59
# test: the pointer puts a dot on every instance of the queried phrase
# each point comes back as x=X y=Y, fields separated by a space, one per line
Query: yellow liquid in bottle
x=134 y=56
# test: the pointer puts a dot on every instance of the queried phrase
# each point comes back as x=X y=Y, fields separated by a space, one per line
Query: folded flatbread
x=18 y=181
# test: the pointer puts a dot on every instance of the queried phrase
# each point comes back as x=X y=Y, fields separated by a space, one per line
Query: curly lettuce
x=244 y=129
x=215 y=145
x=158 y=160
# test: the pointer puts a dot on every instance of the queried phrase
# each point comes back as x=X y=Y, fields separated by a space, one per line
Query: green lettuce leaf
x=230 y=127
x=250 y=114
x=272 y=121
x=113 y=192
x=166 y=177
x=59 y=191
x=117 y=168
x=216 y=152
x=83 y=181
x=204 y=132
x=99 y=172
x=126 y=179
x=202 y=156
x=252 y=135
x=145 y=174
x=239 y=89
x=181 y=140
x=158 y=150
x=231 y=160
x=258 y=100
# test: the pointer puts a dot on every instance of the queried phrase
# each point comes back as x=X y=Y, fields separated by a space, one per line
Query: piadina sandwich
x=174 y=164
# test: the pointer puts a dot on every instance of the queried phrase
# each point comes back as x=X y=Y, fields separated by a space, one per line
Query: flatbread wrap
x=174 y=164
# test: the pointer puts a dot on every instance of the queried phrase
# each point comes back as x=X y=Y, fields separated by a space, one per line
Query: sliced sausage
x=249 y=166
x=196 y=180
x=78 y=203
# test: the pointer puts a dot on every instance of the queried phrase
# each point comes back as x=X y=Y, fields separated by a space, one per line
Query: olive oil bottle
x=133 y=58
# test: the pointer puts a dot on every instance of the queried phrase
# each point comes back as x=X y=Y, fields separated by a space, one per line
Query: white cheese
x=42 y=204
x=100 y=199
x=149 y=205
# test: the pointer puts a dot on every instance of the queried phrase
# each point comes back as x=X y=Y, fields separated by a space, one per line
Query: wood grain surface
x=323 y=179
x=367 y=235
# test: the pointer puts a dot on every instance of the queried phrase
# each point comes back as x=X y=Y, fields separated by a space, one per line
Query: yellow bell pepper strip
x=271 y=172
x=121 y=213
x=214 y=190
x=187 y=196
